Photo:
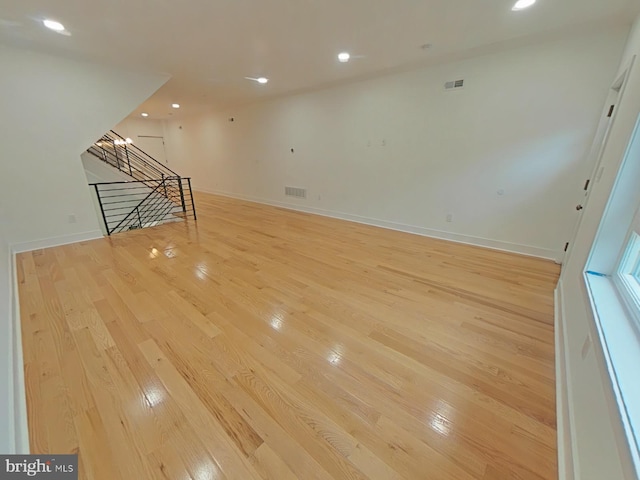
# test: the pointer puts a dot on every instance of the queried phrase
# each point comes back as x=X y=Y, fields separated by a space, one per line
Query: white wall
x=522 y=125
x=98 y=171
x=137 y=128
x=6 y=383
x=132 y=127
x=13 y=424
x=51 y=110
x=596 y=443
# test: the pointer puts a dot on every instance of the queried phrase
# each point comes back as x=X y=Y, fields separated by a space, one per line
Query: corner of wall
x=20 y=423
x=55 y=241
x=563 y=414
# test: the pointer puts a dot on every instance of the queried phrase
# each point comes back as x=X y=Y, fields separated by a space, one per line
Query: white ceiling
x=209 y=46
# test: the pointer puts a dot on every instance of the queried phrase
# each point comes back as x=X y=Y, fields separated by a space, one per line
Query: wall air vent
x=454 y=85
x=295 y=192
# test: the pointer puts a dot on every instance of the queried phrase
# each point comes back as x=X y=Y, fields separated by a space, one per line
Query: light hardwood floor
x=265 y=343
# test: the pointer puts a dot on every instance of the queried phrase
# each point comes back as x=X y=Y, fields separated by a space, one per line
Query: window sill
x=621 y=345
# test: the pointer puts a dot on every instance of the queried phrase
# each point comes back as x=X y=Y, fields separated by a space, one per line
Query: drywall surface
x=98 y=171
x=51 y=110
x=502 y=157
x=134 y=127
x=7 y=435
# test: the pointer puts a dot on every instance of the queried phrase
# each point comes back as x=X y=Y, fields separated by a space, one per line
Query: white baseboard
x=20 y=424
x=566 y=441
x=17 y=434
x=427 y=232
x=55 y=241
x=10 y=374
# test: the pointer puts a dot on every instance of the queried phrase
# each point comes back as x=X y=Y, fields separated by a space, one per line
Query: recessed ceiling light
x=344 y=57
x=144 y=114
x=175 y=105
x=522 y=4
x=261 y=80
x=53 y=25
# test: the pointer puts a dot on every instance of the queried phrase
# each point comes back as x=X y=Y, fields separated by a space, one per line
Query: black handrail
x=139 y=181
x=128 y=158
x=137 y=207
x=165 y=186
x=130 y=145
x=164 y=199
x=139 y=165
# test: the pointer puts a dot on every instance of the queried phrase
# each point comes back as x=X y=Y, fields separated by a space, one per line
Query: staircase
x=154 y=195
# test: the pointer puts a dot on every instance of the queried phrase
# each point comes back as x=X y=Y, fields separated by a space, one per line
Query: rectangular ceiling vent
x=454 y=85
x=295 y=192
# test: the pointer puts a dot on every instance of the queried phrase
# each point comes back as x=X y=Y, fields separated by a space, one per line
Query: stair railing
x=114 y=150
x=138 y=204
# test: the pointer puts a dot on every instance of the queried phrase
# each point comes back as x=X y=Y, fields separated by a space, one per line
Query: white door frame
x=597 y=149
x=164 y=148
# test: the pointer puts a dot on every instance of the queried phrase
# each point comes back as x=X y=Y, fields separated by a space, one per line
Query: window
x=627 y=276
x=612 y=276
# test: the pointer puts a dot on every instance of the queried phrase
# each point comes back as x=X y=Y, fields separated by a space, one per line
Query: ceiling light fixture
x=175 y=105
x=53 y=25
x=522 y=4
x=261 y=80
x=344 y=57
x=144 y=114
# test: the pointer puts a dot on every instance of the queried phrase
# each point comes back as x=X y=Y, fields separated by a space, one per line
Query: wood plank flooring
x=260 y=343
